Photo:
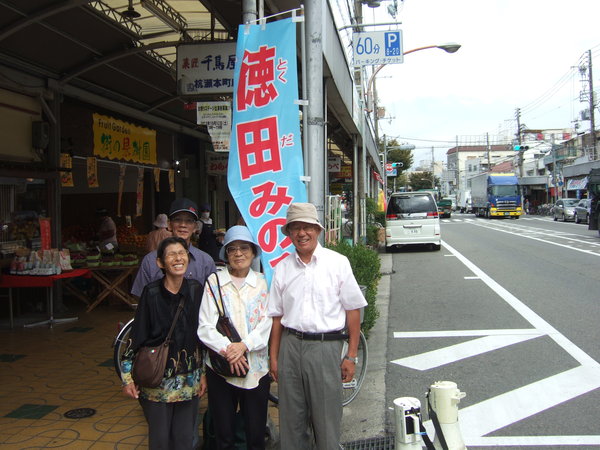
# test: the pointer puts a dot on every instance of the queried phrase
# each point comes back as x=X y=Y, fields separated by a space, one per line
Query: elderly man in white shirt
x=314 y=301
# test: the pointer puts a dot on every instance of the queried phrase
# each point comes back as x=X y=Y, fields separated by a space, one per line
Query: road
x=510 y=311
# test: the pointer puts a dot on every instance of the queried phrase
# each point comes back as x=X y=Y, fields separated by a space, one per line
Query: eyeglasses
x=242 y=248
x=179 y=254
x=306 y=227
x=183 y=221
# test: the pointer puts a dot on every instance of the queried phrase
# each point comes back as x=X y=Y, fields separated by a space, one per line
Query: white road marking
x=520 y=234
x=526 y=401
x=527 y=313
x=466 y=333
x=521 y=403
x=471 y=278
x=537 y=441
x=453 y=353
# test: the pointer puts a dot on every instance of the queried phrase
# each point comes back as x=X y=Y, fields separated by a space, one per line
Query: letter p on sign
x=393 y=43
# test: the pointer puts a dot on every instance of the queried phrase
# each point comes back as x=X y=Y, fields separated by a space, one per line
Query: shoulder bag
x=219 y=363
x=150 y=362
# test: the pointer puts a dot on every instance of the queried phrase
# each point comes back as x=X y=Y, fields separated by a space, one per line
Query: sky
x=515 y=54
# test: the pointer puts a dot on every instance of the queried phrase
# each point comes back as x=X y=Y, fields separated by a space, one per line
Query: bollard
x=443 y=400
x=407 y=412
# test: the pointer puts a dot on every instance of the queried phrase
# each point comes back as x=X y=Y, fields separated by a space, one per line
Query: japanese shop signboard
x=205 y=68
x=116 y=139
x=265 y=160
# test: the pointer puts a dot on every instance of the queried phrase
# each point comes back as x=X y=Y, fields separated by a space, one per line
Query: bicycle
x=351 y=388
x=120 y=345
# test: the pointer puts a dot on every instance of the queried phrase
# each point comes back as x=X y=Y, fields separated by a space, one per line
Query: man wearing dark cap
x=183 y=217
x=313 y=298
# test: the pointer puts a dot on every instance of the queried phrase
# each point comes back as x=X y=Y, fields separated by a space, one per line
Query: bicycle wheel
x=120 y=345
x=352 y=387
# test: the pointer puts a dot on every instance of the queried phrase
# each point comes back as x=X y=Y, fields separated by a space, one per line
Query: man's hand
x=273 y=369
x=348 y=369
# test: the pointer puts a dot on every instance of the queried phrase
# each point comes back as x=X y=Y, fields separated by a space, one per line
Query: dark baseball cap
x=183 y=205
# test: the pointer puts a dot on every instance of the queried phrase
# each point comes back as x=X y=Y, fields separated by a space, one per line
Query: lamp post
x=448 y=48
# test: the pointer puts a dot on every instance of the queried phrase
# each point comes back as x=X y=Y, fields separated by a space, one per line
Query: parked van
x=412 y=218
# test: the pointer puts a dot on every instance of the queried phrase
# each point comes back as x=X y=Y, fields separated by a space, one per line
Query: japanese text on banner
x=265 y=162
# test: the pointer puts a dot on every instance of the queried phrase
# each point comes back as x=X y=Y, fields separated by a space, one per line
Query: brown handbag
x=219 y=363
x=150 y=362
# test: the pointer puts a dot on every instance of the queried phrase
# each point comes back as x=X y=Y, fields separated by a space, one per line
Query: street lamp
x=451 y=47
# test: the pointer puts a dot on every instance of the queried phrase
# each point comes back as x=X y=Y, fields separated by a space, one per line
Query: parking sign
x=377 y=47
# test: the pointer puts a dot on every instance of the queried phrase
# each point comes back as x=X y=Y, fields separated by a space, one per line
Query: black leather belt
x=330 y=336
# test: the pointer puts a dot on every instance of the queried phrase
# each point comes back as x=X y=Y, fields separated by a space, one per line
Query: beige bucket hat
x=301 y=212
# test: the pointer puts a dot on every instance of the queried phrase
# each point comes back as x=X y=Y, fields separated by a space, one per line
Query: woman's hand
x=131 y=390
x=203 y=387
x=235 y=351
x=240 y=367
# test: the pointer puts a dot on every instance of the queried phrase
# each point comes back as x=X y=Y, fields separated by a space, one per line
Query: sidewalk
x=365 y=417
x=47 y=372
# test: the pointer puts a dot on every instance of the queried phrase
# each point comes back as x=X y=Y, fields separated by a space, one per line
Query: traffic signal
x=521 y=148
x=397 y=164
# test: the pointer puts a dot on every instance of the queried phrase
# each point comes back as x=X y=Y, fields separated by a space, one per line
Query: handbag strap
x=179 y=308
x=220 y=309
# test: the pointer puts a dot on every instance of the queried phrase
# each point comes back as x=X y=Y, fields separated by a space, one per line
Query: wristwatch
x=349 y=358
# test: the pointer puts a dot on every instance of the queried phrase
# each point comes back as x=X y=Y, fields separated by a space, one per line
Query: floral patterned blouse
x=154 y=315
x=246 y=307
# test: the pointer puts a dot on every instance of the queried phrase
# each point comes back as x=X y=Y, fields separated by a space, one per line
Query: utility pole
x=487 y=146
x=592 y=106
x=315 y=132
x=519 y=140
x=432 y=167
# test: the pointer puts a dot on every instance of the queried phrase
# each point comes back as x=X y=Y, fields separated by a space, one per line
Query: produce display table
x=113 y=280
x=46 y=281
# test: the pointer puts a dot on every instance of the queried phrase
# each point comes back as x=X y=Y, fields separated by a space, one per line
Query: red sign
x=45 y=233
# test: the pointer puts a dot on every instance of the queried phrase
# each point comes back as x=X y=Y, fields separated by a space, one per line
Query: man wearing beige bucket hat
x=314 y=301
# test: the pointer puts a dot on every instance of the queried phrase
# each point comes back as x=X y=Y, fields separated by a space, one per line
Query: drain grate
x=376 y=443
x=79 y=413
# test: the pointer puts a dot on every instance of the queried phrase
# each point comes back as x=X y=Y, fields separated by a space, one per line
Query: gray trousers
x=310 y=393
x=170 y=425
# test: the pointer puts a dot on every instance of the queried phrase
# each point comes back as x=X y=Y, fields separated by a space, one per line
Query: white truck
x=463 y=201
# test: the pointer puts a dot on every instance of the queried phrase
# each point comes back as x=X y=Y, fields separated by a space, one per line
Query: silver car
x=582 y=210
x=564 y=209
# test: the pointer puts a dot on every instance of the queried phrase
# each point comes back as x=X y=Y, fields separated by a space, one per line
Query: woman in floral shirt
x=244 y=294
x=171 y=408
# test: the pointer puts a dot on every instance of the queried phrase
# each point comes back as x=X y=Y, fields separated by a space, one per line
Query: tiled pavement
x=47 y=372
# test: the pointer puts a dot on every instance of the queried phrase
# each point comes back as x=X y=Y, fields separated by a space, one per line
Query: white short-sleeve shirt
x=314 y=297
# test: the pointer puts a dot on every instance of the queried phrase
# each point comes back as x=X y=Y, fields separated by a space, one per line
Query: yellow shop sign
x=115 y=139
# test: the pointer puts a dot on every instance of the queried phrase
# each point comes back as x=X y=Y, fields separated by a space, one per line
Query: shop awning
x=576 y=184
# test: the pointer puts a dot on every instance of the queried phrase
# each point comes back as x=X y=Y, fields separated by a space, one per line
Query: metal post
x=249 y=13
x=384 y=168
x=315 y=130
x=355 y=202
